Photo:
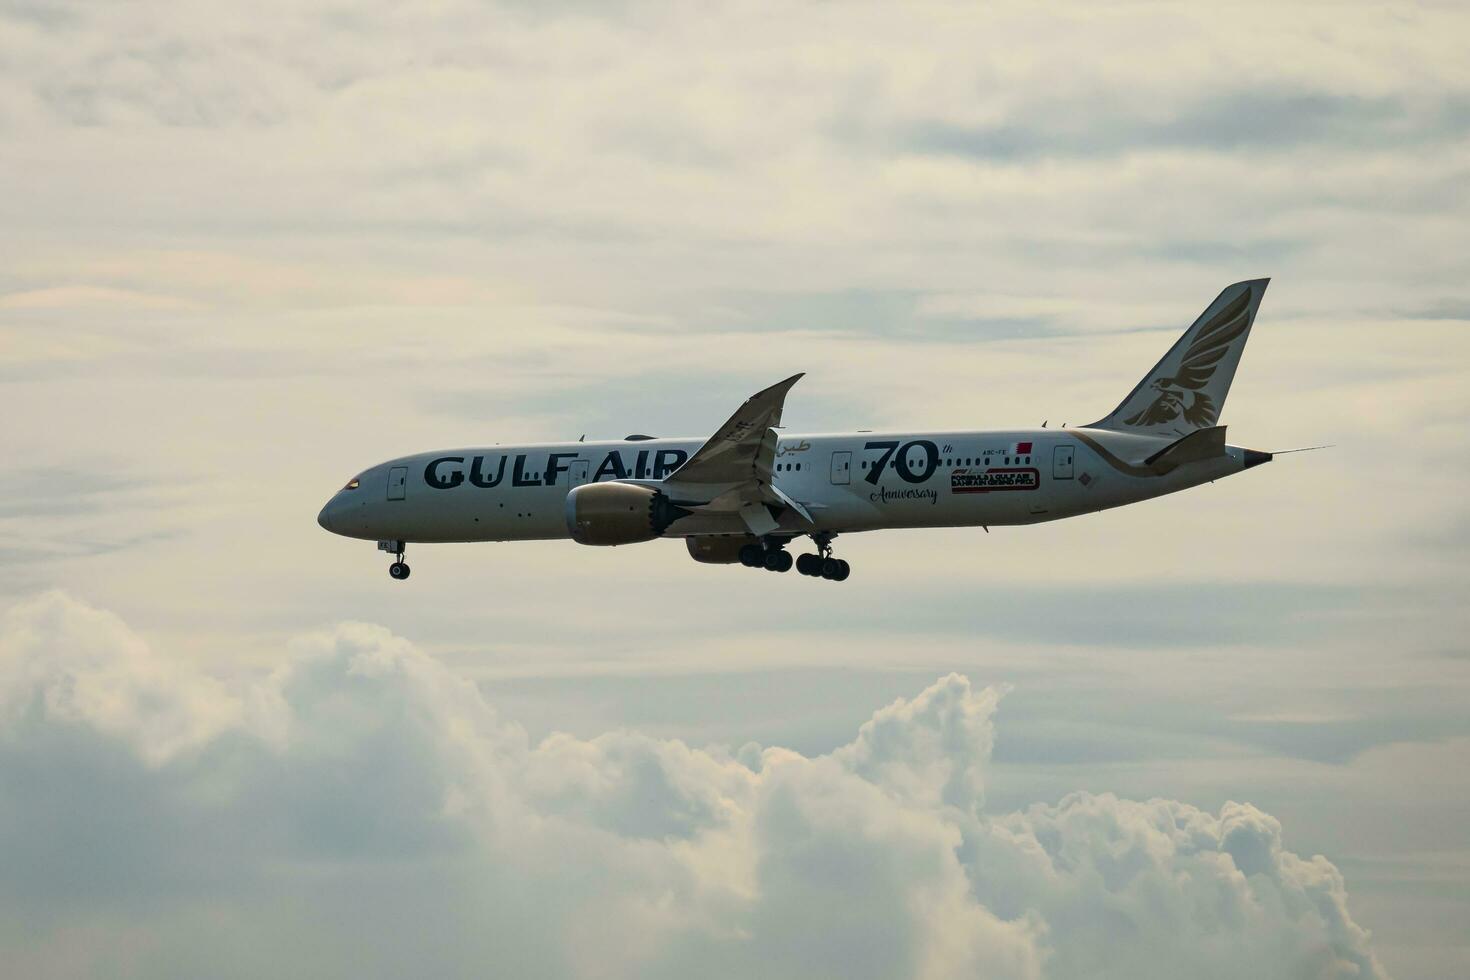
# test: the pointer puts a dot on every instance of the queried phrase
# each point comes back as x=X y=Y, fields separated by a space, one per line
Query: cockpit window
x=353 y=484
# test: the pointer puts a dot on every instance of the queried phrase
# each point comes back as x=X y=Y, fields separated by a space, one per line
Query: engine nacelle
x=618 y=513
x=717 y=551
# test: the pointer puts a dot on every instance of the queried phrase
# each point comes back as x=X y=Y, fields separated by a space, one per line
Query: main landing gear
x=822 y=564
x=832 y=569
x=771 y=554
x=399 y=569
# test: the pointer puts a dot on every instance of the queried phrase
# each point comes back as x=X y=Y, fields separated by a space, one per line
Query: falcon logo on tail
x=1186 y=390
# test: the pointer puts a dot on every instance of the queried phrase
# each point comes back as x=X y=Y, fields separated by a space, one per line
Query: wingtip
x=780 y=387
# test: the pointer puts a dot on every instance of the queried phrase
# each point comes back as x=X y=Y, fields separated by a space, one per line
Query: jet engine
x=717 y=551
x=618 y=513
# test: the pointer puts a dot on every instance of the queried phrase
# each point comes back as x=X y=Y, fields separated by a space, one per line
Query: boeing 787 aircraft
x=746 y=493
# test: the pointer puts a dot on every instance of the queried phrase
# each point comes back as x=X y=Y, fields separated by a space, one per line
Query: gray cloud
x=65 y=491
x=1229 y=121
x=365 y=807
x=71 y=512
x=1176 y=615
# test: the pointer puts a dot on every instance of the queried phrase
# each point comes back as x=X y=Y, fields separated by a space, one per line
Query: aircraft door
x=841 y=468
x=577 y=473
x=1061 y=463
x=397 y=482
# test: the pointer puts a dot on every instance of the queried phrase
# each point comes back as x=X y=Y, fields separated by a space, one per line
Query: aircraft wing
x=744 y=448
x=732 y=470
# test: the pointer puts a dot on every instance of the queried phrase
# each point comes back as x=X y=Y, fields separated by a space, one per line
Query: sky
x=246 y=252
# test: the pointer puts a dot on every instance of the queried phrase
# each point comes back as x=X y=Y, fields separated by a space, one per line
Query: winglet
x=733 y=453
x=777 y=391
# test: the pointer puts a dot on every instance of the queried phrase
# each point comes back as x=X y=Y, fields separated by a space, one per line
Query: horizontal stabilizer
x=1200 y=445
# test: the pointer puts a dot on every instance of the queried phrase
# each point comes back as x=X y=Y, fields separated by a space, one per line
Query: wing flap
x=758 y=519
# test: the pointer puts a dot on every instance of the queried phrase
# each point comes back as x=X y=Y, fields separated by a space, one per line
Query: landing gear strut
x=399 y=570
x=822 y=564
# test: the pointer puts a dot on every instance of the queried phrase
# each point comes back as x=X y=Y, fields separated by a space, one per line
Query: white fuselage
x=847 y=482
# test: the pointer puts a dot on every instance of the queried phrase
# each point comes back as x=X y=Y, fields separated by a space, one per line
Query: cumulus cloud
x=364 y=811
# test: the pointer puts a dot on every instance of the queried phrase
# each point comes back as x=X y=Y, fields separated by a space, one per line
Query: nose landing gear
x=399 y=569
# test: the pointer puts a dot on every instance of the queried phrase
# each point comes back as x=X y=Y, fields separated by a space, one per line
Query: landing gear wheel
x=778 y=561
x=399 y=570
x=752 y=555
x=822 y=564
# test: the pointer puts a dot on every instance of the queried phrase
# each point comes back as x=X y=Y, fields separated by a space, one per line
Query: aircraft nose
x=325 y=518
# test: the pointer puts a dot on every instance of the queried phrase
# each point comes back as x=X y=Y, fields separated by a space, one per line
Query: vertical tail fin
x=1186 y=390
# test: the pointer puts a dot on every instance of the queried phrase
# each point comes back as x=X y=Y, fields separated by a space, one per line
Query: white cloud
x=363 y=811
x=65 y=663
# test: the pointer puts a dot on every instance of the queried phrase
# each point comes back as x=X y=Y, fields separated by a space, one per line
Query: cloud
x=364 y=811
x=322 y=237
x=1244 y=120
x=89 y=297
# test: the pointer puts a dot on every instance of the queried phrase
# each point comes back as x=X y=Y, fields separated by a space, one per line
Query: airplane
x=749 y=491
